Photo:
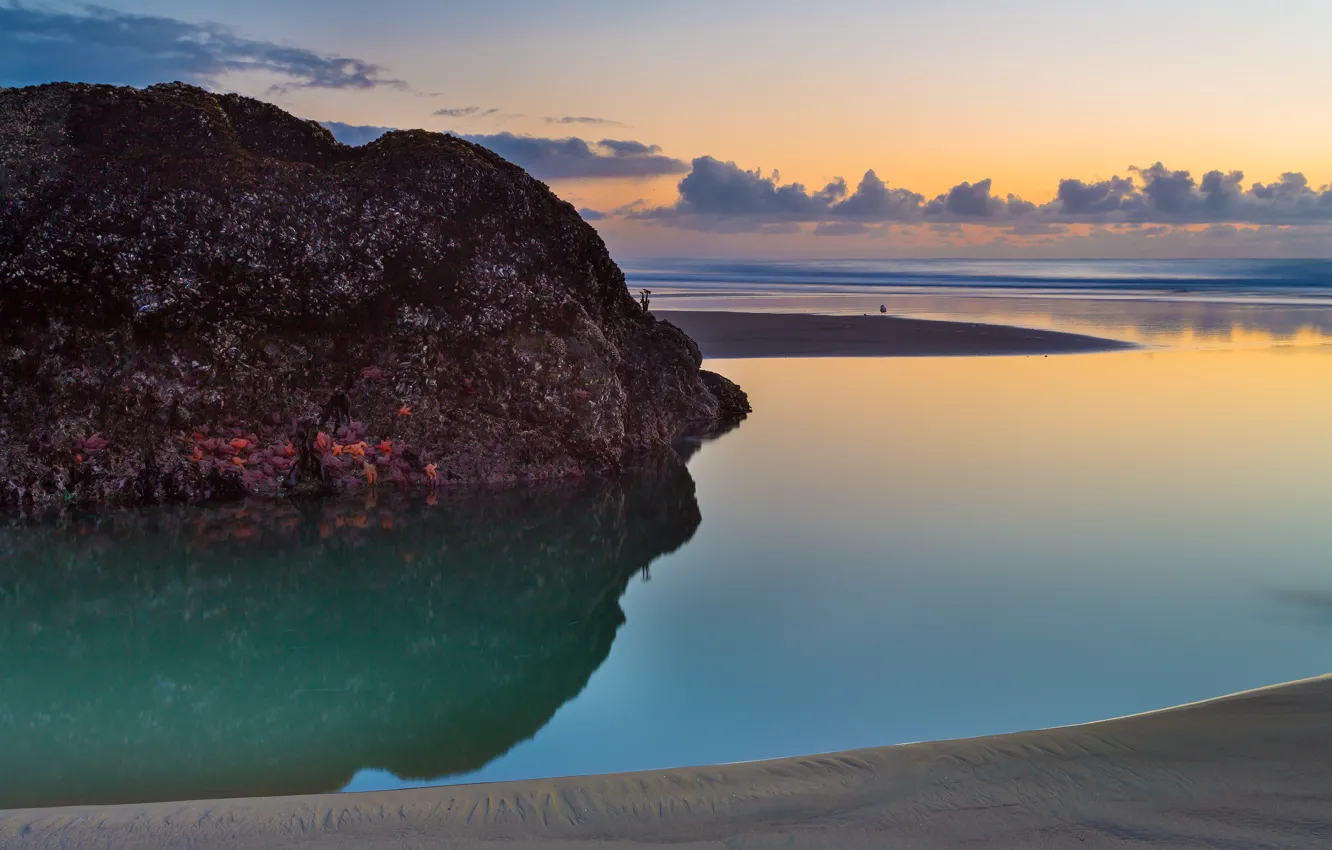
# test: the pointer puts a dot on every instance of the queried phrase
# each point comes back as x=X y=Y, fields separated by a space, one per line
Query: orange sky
x=1024 y=92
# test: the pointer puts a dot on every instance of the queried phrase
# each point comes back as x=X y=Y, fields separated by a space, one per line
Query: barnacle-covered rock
x=181 y=270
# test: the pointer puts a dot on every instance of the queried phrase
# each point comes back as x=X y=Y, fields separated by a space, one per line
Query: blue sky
x=836 y=128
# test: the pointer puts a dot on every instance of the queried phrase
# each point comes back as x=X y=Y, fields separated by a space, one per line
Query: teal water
x=888 y=550
x=280 y=648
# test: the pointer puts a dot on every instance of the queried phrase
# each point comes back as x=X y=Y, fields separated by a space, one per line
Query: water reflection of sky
x=1176 y=303
x=1193 y=323
x=910 y=549
x=280 y=646
x=1256 y=280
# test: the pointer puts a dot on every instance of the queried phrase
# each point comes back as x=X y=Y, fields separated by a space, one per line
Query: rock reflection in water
x=277 y=648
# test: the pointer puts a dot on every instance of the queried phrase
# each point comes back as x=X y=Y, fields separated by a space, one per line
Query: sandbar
x=723 y=334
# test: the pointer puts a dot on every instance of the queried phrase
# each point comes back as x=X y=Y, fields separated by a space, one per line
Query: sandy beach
x=722 y=334
x=1245 y=771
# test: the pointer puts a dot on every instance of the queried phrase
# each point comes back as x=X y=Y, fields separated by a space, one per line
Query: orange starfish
x=371 y=474
x=198 y=454
x=289 y=450
x=238 y=460
x=432 y=472
x=239 y=443
x=385 y=447
x=404 y=411
x=337 y=450
x=322 y=442
x=78 y=458
x=355 y=449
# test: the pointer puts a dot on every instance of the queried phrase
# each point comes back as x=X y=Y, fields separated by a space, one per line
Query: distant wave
x=1293 y=278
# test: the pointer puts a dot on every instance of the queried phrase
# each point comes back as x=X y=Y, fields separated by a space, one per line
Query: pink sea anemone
x=91 y=445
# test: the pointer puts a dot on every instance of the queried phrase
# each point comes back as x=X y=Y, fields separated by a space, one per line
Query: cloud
x=551 y=159
x=100 y=45
x=1157 y=194
x=715 y=190
x=967 y=200
x=465 y=112
x=971 y=201
x=591 y=214
x=1030 y=225
x=635 y=206
x=626 y=148
x=573 y=158
x=842 y=228
x=355 y=134
x=1078 y=198
x=581 y=119
x=874 y=201
x=716 y=194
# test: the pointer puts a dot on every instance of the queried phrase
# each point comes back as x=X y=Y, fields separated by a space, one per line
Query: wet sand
x=722 y=334
x=1245 y=771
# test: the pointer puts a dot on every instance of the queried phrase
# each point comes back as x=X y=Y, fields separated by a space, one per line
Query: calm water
x=1179 y=303
x=888 y=550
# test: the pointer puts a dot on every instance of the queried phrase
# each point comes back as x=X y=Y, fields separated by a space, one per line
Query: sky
x=987 y=128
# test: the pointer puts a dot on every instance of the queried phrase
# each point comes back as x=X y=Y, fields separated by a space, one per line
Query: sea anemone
x=91 y=445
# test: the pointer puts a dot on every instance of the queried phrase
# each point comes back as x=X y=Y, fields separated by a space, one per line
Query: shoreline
x=1241 y=770
x=722 y=335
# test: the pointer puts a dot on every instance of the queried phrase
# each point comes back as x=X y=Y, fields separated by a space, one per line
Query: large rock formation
x=203 y=296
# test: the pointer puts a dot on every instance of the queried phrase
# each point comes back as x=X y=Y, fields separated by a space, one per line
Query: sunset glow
x=928 y=97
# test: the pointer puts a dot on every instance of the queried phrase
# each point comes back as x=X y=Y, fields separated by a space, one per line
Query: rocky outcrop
x=204 y=296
